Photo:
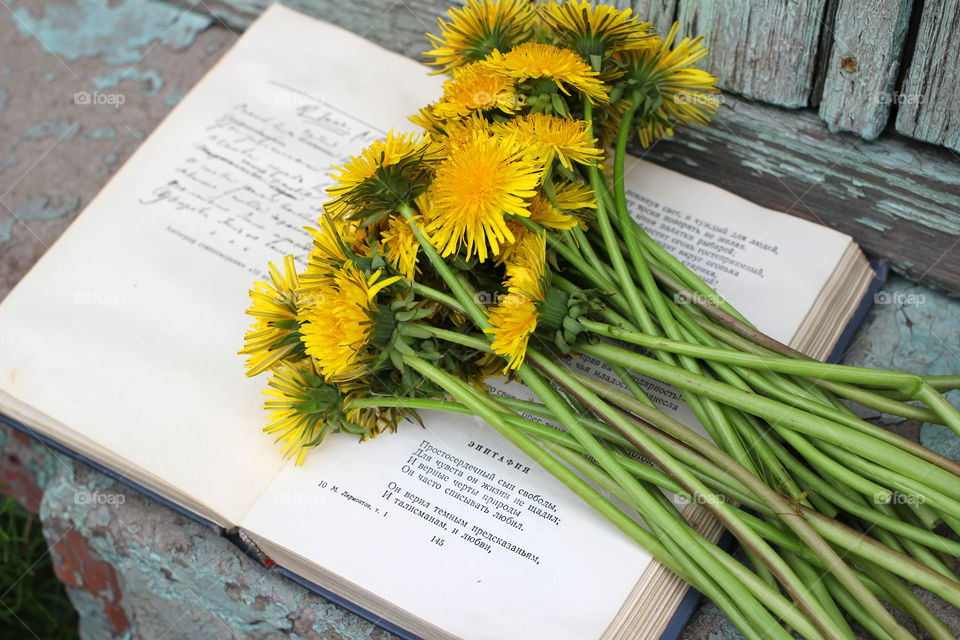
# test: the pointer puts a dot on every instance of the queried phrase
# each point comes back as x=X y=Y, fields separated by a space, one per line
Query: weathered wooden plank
x=763 y=49
x=824 y=46
x=899 y=199
x=409 y=19
x=863 y=64
x=931 y=90
x=661 y=13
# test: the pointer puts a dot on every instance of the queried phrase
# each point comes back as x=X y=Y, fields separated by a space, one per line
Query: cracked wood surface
x=930 y=108
x=862 y=65
x=761 y=49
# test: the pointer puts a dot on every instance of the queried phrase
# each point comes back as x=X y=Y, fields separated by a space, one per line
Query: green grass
x=33 y=602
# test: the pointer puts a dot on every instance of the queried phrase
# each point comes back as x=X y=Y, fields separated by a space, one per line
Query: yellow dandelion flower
x=448 y=133
x=476 y=186
x=594 y=30
x=474 y=88
x=462 y=131
x=427 y=119
x=299 y=403
x=545 y=214
x=401 y=246
x=332 y=238
x=563 y=66
x=335 y=240
x=574 y=196
x=387 y=172
x=567 y=209
x=274 y=335
x=368 y=422
x=338 y=323
x=479 y=28
x=665 y=77
x=520 y=232
x=303 y=408
x=515 y=318
x=567 y=140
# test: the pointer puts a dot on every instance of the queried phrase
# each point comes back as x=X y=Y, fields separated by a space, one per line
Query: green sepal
x=559 y=105
x=400 y=345
x=384 y=324
x=616 y=93
x=552 y=309
x=396 y=359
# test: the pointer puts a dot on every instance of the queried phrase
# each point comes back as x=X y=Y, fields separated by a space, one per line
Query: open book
x=121 y=345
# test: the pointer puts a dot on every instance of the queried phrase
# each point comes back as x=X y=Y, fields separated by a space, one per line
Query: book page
x=127 y=331
x=770 y=266
x=453 y=524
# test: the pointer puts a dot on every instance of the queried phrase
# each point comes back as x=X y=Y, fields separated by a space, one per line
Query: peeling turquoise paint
x=117 y=32
x=947 y=223
x=5 y=71
x=110 y=158
x=57 y=129
x=912 y=328
x=103 y=132
x=50 y=77
x=38 y=208
x=873 y=224
x=4 y=99
x=150 y=81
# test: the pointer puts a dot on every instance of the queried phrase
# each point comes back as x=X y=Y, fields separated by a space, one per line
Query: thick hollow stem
x=784 y=415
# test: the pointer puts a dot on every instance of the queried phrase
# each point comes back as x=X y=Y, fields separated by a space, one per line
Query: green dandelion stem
x=873 y=399
x=854 y=608
x=911 y=384
x=866 y=400
x=460 y=292
x=752 y=610
x=867 y=548
x=728 y=436
x=705 y=410
x=768 y=594
x=728 y=514
x=903 y=597
x=478 y=405
x=437 y=296
x=787 y=416
x=786 y=509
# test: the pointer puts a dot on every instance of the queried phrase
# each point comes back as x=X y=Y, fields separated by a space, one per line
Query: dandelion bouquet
x=498 y=241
